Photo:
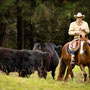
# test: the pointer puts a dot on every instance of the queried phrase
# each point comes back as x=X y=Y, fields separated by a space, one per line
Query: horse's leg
x=84 y=73
x=72 y=75
x=53 y=74
x=69 y=71
x=67 y=75
x=62 y=69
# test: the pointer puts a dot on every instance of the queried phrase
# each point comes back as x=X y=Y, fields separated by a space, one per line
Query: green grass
x=13 y=82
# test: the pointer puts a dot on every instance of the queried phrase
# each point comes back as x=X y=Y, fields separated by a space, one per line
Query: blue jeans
x=73 y=53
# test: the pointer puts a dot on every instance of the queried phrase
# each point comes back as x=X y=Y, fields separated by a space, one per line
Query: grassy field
x=13 y=82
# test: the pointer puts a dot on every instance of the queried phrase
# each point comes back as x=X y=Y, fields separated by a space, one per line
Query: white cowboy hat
x=79 y=15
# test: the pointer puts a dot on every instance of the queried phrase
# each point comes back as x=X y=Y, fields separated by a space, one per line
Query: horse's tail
x=62 y=69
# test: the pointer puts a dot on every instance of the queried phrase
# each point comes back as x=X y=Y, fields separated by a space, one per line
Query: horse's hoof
x=73 y=80
x=85 y=80
x=59 y=79
x=65 y=80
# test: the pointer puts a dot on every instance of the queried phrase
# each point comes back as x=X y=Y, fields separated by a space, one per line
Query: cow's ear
x=45 y=53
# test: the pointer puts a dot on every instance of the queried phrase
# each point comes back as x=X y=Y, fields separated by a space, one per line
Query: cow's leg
x=84 y=73
x=22 y=73
x=7 y=73
x=44 y=74
x=53 y=74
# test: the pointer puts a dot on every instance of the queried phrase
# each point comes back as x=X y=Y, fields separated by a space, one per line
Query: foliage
x=45 y=20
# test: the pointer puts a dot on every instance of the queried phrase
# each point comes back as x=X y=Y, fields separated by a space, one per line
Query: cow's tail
x=62 y=69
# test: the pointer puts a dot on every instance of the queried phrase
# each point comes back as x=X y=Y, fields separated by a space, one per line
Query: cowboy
x=76 y=28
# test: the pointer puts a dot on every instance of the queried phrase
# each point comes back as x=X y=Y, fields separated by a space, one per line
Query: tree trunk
x=7 y=30
x=22 y=34
x=20 y=29
x=0 y=35
x=32 y=36
x=2 y=32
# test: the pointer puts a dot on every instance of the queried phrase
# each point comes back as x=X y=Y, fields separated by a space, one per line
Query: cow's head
x=27 y=64
x=37 y=46
x=39 y=61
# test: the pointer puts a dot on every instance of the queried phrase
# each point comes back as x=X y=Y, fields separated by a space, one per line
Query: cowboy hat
x=79 y=15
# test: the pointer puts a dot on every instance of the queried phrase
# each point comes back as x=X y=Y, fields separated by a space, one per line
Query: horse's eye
x=80 y=36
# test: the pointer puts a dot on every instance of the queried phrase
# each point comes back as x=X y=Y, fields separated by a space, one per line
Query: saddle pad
x=74 y=45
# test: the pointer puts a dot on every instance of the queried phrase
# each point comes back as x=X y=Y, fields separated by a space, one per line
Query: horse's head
x=83 y=42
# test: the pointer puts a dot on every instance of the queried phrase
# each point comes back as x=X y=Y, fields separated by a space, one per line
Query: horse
x=82 y=59
x=83 y=55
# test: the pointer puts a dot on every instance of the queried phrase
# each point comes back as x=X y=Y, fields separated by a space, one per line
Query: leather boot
x=72 y=63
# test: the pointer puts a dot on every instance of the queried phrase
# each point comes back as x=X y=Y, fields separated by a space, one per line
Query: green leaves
x=50 y=19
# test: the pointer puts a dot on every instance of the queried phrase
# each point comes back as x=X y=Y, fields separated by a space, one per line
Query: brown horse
x=65 y=62
x=83 y=55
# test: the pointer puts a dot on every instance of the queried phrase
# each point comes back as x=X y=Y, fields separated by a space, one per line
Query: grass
x=13 y=82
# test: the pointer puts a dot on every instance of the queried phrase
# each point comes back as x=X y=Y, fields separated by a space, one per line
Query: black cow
x=49 y=63
x=35 y=62
x=22 y=61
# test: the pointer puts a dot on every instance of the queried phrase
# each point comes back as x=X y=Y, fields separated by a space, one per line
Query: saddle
x=74 y=45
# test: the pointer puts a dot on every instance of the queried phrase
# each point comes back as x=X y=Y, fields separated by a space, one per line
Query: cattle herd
x=43 y=58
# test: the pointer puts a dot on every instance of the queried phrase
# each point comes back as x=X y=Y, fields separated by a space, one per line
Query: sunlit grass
x=13 y=82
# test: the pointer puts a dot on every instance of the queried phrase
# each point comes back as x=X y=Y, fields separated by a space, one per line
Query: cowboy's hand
x=82 y=29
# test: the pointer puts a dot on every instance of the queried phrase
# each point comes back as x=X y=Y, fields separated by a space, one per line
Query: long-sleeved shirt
x=74 y=26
